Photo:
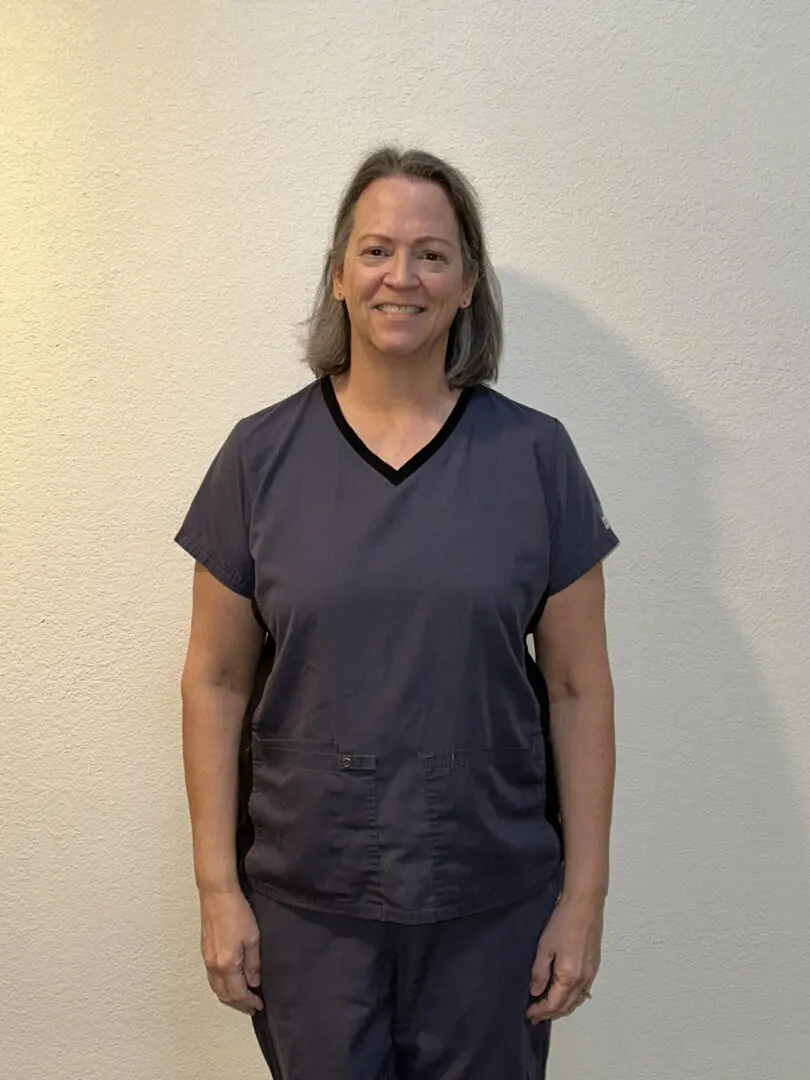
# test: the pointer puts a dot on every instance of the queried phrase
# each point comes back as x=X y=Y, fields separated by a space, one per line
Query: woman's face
x=402 y=278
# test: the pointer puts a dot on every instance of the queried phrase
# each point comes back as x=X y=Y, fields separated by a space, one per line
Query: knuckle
x=223 y=962
x=568 y=977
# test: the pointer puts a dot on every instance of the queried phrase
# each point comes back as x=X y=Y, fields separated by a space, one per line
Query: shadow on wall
x=711 y=871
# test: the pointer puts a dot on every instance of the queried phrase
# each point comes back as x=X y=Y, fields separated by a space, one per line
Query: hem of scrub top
x=383 y=913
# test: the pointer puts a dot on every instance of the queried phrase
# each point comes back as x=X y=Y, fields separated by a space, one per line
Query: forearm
x=583 y=741
x=212 y=724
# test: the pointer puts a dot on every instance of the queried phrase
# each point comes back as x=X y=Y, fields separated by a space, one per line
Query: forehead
x=402 y=208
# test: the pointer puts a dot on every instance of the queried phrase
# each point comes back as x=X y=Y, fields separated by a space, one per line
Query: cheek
x=448 y=303
x=356 y=295
x=446 y=291
x=364 y=288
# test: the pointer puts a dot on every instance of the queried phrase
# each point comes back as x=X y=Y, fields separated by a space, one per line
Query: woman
x=387 y=540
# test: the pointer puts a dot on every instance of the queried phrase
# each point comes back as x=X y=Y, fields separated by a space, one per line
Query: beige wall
x=168 y=174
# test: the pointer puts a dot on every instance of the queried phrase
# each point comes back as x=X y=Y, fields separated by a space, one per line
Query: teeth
x=400 y=309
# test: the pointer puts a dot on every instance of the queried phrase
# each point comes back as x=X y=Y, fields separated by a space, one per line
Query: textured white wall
x=170 y=168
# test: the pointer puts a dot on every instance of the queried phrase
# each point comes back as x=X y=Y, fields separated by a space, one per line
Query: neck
x=384 y=383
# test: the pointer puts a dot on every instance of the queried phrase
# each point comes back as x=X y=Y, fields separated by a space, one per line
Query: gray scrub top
x=398 y=755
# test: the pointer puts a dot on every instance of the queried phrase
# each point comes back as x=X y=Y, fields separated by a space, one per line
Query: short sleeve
x=216 y=529
x=581 y=536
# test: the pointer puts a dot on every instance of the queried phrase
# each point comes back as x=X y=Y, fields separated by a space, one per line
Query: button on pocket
x=315 y=816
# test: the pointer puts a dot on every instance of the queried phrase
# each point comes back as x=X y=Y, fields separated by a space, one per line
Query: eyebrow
x=419 y=239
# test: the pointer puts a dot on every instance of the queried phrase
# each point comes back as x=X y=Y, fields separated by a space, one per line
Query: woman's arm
x=223 y=651
x=572 y=654
x=571 y=651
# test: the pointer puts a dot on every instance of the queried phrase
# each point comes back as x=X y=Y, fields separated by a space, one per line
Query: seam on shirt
x=554 y=520
x=248 y=499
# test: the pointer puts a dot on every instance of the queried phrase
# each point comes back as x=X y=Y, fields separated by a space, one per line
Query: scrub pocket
x=314 y=811
x=488 y=828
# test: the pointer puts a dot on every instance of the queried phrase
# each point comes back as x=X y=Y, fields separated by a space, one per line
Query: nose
x=400 y=273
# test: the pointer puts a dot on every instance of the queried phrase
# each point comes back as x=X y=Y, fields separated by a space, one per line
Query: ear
x=337 y=283
x=468 y=290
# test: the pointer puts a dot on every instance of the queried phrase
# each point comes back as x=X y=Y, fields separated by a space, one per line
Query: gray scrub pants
x=356 y=999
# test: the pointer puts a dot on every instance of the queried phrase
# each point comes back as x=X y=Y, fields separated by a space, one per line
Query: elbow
x=196 y=683
x=573 y=689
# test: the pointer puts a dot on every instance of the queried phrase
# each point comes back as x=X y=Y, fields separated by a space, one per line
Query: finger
x=562 y=996
x=231 y=989
x=252 y=964
x=541 y=974
x=237 y=994
x=577 y=1005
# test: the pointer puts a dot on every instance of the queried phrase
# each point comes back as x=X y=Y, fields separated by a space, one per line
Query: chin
x=400 y=348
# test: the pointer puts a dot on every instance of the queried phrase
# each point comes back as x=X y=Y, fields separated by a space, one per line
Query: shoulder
x=277 y=416
x=502 y=415
x=257 y=435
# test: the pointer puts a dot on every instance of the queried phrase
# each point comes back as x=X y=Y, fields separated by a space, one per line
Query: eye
x=433 y=256
x=374 y=252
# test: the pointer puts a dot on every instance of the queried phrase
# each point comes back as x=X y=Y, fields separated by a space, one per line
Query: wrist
x=584 y=891
x=222 y=885
x=594 y=901
x=215 y=866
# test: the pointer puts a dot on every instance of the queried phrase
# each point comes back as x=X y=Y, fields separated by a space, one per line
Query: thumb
x=541 y=972
x=252 y=965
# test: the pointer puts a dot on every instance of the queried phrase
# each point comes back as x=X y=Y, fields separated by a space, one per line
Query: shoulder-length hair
x=476 y=334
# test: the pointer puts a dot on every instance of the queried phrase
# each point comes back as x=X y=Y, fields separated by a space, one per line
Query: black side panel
x=244 y=826
x=538 y=684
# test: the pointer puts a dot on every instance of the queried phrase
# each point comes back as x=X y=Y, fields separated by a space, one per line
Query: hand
x=567 y=960
x=230 y=948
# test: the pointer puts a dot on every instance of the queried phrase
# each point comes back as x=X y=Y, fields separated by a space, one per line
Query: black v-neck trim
x=394 y=476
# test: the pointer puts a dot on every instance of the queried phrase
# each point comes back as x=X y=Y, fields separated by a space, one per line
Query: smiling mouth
x=400 y=309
